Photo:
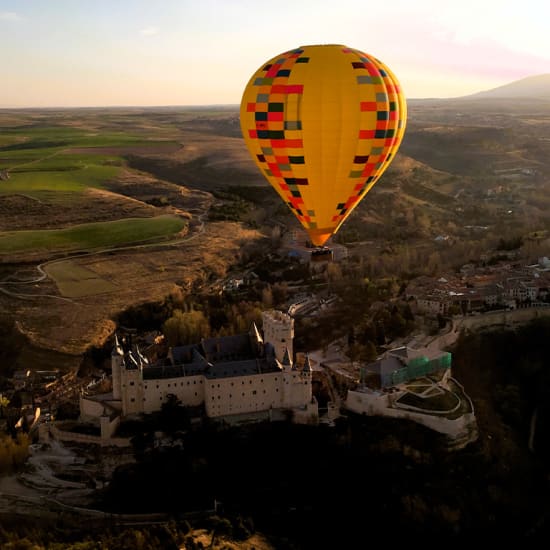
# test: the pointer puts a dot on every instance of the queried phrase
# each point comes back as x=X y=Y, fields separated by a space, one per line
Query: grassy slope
x=43 y=167
x=91 y=235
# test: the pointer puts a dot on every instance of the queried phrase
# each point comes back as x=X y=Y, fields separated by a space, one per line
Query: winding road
x=6 y=283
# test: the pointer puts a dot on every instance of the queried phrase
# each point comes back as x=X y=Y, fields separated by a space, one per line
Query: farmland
x=90 y=236
x=123 y=206
x=108 y=235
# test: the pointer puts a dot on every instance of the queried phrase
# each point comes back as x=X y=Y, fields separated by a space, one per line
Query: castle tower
x=279 y=332
x=131 y=382
x=117 y=364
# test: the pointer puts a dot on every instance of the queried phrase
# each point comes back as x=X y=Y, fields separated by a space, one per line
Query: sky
x=202 y=52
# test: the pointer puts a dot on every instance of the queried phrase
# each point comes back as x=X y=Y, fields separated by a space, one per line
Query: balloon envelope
x=322 y=123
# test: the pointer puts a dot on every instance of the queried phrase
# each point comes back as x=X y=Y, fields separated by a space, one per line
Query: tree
x=369 y=352
x=4 y=402
x=186 y=327
x=397 y=325
x=173 y=415
x=267 y=297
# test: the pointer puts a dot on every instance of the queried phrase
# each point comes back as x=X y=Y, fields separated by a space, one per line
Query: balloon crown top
x=323 y=46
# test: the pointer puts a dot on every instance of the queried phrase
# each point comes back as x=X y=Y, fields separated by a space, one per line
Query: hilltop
x=531 y=87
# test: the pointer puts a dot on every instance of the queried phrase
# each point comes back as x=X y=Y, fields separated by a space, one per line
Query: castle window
x=230 y=396
x=195 y=394
x=132 y=383
x=243 y=393
x=253 y=392
x=132 y=399
x=231 y=383
x=188 y=382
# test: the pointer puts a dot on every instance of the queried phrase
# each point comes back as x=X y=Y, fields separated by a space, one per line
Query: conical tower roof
x=286 y=359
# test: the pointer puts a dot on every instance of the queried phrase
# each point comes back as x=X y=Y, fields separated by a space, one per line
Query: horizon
x=134 y=54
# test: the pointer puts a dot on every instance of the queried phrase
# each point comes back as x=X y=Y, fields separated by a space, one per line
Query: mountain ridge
x=530 y=87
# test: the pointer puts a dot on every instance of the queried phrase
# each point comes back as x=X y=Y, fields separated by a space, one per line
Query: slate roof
x=214 y=358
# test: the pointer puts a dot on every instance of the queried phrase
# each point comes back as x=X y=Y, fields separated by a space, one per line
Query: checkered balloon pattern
x=322 y=123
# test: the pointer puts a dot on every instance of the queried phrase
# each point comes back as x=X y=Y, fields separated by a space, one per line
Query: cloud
x=149 y=31
x=9 y=16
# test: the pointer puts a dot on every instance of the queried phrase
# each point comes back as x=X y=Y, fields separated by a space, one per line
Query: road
x=7 y=283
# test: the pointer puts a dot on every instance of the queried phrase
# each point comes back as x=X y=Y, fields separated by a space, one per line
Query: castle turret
x=256 y=339
x=287 y=365
x=117 y=364
x=307 y=366
x=279 y=332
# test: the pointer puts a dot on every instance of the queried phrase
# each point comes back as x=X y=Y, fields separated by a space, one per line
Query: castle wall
x=189 y=390
x=90 y=408
x=461 y=428
x=108 y=426
x=243 y=394
x=116 y=369
x=131 y=391
x=223 y=396
x=296 y=390
x=309 y=414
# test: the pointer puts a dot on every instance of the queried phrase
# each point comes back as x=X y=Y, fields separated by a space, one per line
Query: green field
x=91 y=235
x=56 y=164
x=75 y=180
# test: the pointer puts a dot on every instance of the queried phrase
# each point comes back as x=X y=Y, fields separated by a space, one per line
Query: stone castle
x=235 y=378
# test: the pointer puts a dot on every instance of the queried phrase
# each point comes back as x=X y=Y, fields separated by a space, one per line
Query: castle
x=240 y=377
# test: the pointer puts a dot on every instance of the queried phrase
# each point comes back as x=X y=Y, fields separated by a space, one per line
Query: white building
x=231 y=375
x=416 y=385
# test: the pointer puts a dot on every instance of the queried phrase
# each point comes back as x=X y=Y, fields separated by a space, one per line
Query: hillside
x=468 y=173
x=531 y=87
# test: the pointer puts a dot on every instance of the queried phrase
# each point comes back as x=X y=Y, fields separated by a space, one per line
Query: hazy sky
x=184 y=52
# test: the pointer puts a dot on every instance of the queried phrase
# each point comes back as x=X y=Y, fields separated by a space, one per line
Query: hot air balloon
x=322 y=123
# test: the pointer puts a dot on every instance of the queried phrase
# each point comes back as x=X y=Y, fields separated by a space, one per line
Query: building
x=234 y=378
x=416 y=385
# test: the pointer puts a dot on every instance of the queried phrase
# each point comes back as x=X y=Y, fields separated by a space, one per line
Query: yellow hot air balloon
x=322 y=123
